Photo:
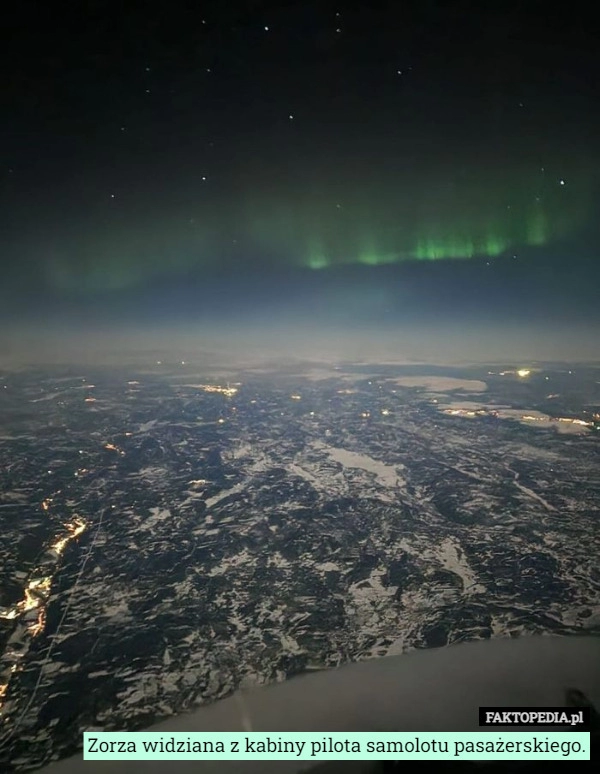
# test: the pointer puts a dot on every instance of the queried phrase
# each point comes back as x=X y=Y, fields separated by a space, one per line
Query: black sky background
x=164 y=163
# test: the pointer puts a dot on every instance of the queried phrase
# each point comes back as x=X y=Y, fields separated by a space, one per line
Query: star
x=561 y=182
x=291 y=117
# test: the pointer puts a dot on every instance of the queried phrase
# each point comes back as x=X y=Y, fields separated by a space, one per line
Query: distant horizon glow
x=231 y=345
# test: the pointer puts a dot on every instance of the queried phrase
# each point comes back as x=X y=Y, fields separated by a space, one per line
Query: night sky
x=351 y=163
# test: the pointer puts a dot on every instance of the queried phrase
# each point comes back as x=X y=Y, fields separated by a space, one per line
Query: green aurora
x=455 y=225
x=319 y=227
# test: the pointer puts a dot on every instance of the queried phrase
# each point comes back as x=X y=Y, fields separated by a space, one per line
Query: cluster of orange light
x=74 y=528
x=228 y=391
x=465 y=412
x=112 y=447
x=526 y=417
x=35 y=597
x=35 y=593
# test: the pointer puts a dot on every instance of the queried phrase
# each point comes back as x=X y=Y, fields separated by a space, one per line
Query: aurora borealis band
x=441 y=216
x=252 y=138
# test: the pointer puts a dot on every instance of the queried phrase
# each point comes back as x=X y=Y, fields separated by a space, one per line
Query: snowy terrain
x=172 y=535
